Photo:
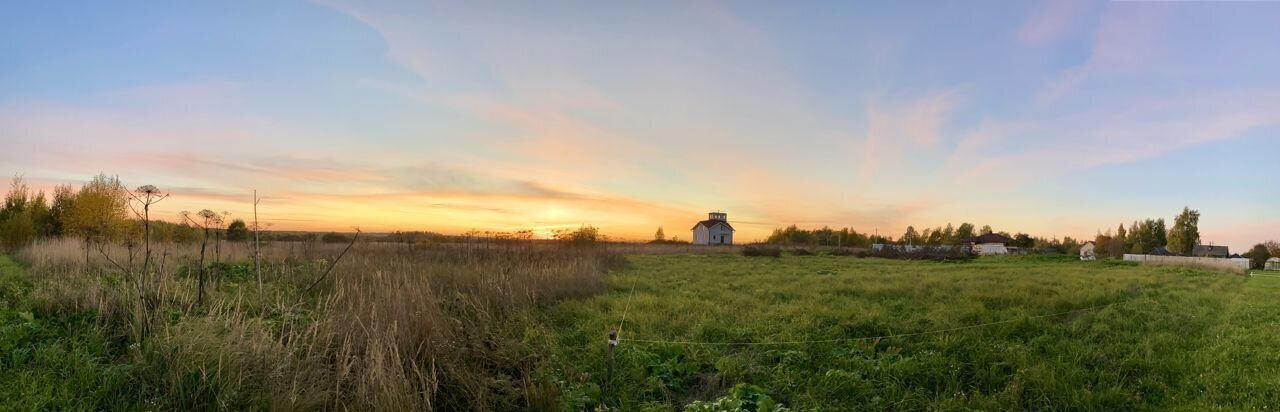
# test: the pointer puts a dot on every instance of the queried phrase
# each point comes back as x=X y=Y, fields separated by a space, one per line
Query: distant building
x=1160 y=251
x=990 y=244
x=1273 y=264
x=1210 y=251
x=1086 y=251
x=713 y=231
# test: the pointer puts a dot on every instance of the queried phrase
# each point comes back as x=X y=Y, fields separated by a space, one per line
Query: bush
x=801 y=252
x=584 y=235
x=760 y=250
x=334 y=237
x=1258 y=256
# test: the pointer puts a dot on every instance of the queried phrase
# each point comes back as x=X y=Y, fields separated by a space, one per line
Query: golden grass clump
x=393 y=327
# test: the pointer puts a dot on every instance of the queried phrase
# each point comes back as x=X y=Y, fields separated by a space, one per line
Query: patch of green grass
x=57 y=362
x=1173 y=338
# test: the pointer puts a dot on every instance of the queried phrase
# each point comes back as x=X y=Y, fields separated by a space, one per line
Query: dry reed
x=394 y=327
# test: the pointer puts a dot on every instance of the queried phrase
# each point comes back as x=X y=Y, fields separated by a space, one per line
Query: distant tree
x=1258 y=256
x=60 y=210
x=16 y=231
x=986 y=230
x=17 y=227
x=935 y=237
x=1102 y=244
x=15 y=201
x=1119 y=243
x=659 y=236
x=1023 y=240
x=1185 y=234
x=1273 y=247
x=948 y=234
x=100 y=211
x=1158 y=233
x=1070 y=246
x=909 y=238
x=41 y=215
x=923 y=236
x=1139 y=240
x=237 y=231
x=964 y=232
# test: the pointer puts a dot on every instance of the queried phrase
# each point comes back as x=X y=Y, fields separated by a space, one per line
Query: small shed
x=1086 y=251
x=1273 y=264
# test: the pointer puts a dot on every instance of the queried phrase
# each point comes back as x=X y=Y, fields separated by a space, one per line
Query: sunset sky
x=1056 y=118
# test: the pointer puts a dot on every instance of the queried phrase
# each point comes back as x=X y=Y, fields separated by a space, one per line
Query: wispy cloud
x=1125 y=42
x=892 y=130
x=1050 y=20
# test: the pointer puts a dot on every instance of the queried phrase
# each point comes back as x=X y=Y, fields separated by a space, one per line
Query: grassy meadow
x=1172 y=338
x=523 y=327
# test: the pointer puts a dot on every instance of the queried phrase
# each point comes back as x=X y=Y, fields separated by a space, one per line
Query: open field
x=1172 y=339
x=523 y=328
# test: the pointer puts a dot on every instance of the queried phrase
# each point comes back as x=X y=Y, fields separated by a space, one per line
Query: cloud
x=1125 y=42
x=918 y=121
x=1049 y=21
x=1106 y=136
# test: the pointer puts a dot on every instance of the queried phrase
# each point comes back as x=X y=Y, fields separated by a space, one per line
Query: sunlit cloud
x=629 y=116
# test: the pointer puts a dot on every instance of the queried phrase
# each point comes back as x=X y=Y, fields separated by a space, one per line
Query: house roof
x=1274 y=259
x=991 y=238
x=1208 y=250
x=712 y=223
x=1160 y=251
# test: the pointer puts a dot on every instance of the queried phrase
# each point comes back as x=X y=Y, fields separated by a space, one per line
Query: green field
x=1171 y=338
x=1027 y=333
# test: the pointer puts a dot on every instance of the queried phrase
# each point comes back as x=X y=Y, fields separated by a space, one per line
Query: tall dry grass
x=393 y=327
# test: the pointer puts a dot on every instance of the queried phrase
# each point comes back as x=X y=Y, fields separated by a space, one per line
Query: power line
x=627 y=308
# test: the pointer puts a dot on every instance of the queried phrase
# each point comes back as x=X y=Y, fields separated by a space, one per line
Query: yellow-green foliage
x=1175 y=339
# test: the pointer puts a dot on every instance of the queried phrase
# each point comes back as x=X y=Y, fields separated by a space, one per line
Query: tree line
x=938 y=236
x=100 y=211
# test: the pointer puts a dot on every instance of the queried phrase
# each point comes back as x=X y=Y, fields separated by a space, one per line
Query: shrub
x=334 y=237
x=1258 y=256
x=761 y=250
x=584 y=235
x=801 y=252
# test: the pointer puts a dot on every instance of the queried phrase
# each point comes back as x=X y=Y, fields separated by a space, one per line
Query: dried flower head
x=147 y=190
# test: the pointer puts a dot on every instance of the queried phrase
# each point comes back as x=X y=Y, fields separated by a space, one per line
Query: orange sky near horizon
x=1046 y=117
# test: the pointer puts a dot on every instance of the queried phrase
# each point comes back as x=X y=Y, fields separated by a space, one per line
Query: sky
x=1054 y=118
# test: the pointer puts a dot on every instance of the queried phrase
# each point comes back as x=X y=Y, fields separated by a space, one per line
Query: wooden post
x=613 y=343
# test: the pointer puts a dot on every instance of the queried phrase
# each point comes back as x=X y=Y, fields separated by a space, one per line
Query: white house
x=713 y=231
x=990 y=244
x=1272 y=264
x=1086 y=251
